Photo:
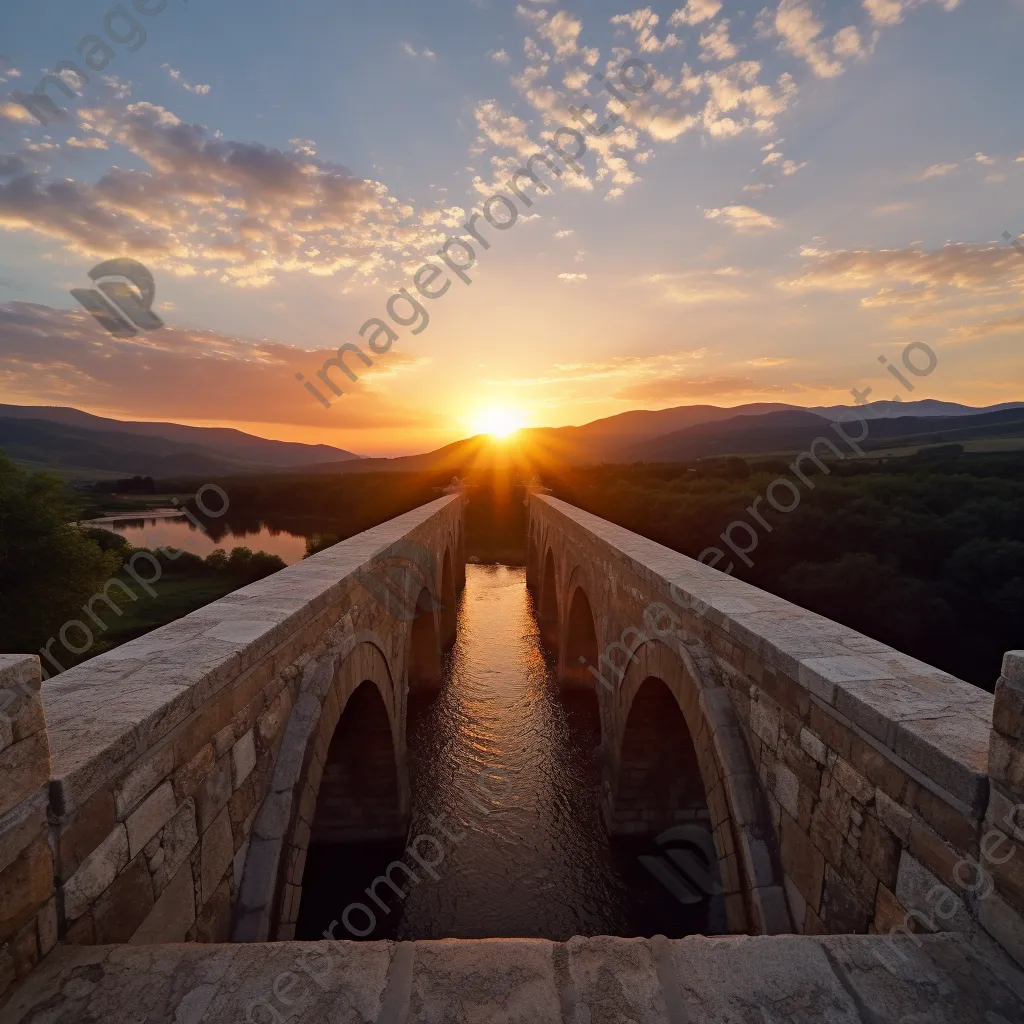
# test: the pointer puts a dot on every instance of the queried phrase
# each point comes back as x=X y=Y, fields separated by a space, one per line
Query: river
x=510 y=762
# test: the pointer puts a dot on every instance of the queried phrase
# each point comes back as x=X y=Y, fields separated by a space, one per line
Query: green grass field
x=175 y=596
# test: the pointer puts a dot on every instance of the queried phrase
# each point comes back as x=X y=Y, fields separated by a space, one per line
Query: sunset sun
x=497 y=422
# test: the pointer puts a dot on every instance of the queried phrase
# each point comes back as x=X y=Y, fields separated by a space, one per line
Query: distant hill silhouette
x=77 y=442
x=72 y=440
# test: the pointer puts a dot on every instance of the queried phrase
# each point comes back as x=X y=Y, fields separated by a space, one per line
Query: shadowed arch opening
x=359 y=791
x=660 y=782
x=424 y=648
x=580 y=644
x=548 y=611
x=449 y=602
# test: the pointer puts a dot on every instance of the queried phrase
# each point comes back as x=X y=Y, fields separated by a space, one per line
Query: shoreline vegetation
x=924 y=552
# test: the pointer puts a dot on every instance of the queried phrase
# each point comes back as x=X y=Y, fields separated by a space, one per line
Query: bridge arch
x=360 y=684
x=578 y=647
x=548 y=610
x=449 y=601
x=706 y=773
x=424 y=651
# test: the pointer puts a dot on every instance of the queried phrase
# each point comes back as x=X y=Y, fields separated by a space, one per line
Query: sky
x=768 y=201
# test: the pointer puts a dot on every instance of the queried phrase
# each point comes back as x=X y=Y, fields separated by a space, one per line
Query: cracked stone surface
x=791 y=979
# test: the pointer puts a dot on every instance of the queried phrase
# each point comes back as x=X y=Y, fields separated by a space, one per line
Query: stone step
x=850 y=979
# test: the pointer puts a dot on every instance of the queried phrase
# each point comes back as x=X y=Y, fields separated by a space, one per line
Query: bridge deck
x=764 y=980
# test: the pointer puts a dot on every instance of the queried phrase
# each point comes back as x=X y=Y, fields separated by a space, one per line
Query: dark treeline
x=925 y=553
x=330 y=509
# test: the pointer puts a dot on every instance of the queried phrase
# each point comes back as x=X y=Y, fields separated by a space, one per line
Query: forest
x=925 y=553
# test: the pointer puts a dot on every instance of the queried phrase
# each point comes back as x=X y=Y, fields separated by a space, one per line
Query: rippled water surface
x=509 y=761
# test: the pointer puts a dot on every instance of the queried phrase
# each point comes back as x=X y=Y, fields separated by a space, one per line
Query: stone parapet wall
x=1002 y=913
x=600 y=980
x=28 y=907
x=875 y=766
x=163 y=749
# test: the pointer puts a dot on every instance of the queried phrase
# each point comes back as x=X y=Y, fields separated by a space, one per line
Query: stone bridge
x=849 y=787
x=166 y=792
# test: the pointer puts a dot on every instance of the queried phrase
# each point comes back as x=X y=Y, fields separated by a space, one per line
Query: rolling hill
x=81 y=444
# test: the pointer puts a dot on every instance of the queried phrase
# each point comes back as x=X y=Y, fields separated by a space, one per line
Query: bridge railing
x=896 y=790
x=125 y=813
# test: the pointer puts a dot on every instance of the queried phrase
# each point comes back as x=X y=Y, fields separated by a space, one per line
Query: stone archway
x=547 y=615
x=737 y=812
x=449 y=602
x=424 y=658
x=275 y=860
x=360 y=794
x=660 y=782
x=578 y=648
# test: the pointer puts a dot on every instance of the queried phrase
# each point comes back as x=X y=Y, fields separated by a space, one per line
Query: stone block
x=216 y=852
x=149 y=817
x=764 y=722
x=48 y=928
x=84 y=830
x=173 y=914
x=889 y=912
x=935 y=906
x=843 y=910
x=1008 y=875
x=24 y=948
x=852 y=781
x=118 y=913
x=143 y=779
x=180 y=837
x=787 y=790
x=937 y=856
x=25 y=769
x=20 y=826
x=957 y=828
x=878 y=767
x=30 y=719
x=25 y=886
x=826 y=837
x=96 y=873
x=214 y=793
x=804 y=864
x=243 y=758
x=189 y=777
x=895 y=817
x=833 y=733
x=813 y=746
x=880 y=851
x=213 y=923
x=1005 y=924
x=951 y=752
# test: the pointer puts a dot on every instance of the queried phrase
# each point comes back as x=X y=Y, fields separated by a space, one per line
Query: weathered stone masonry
x=176 y=777
x=855 y=777
x=171 y=791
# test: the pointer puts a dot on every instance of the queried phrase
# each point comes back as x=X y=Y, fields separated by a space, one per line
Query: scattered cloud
x=198 y=90
x=56 y=356
x=572 y=278
x=715 y=44
x=938 y=171
x=411 y=50
x=744 y=219
x=499 y=56
x=891 y=12
x=695 y=12
x=203 y=204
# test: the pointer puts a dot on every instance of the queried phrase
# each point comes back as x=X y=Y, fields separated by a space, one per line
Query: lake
x=178 y=532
